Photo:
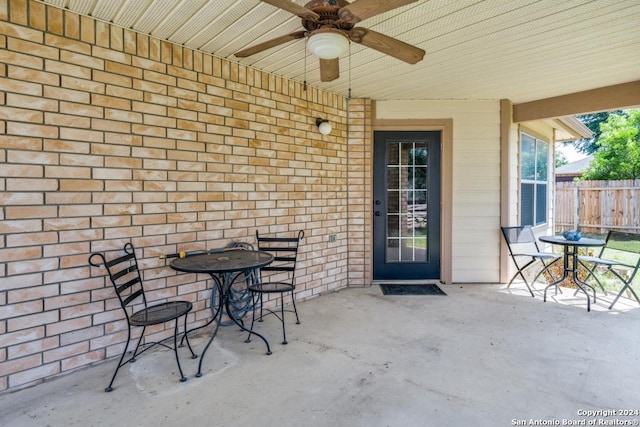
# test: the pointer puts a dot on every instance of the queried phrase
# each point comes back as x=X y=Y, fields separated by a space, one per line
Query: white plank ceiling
x=520 y=50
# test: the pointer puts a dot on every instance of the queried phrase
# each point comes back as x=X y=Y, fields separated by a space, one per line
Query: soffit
x=520 y=50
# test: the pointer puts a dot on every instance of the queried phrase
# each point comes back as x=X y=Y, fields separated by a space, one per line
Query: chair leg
x=523 y=279
x=590 y=273
x=295 y=309
x=627 y=285
x=186 y=337
x=175 y=350
x=120 y=364
x=254 y=300
x=519 y=272
x=284 y=331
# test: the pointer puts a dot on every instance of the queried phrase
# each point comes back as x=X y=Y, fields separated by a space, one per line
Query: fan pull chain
x=304 y=50
x=349 y=90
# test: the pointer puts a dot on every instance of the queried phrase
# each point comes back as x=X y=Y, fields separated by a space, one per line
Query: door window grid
x=407 y=202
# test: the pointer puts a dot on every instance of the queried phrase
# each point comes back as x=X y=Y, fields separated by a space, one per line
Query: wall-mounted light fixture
x=323 y=126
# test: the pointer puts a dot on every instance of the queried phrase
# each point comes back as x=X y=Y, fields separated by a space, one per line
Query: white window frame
x=536 y=182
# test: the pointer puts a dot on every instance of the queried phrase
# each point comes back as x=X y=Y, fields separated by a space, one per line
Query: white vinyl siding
x=476 y=180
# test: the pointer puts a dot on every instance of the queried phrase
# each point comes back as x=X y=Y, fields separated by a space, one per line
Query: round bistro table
x=224 y=268
x=571 y=262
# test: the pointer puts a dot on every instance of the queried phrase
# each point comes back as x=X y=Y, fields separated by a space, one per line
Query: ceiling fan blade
x=294 y=8
x=269 y=44
x=360 y=10
x=387 y=45
x=329 y=69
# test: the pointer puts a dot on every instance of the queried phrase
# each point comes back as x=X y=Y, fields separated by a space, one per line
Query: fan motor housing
x=328 y=12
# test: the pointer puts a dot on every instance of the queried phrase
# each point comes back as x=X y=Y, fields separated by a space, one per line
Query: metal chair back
x=124 y=275
x=524 y=251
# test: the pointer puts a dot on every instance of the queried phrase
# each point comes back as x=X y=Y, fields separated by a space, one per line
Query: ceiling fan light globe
x=327 y=45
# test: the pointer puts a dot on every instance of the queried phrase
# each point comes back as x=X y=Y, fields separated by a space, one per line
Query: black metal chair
x=125 y=277
x=524 y=251
x=620 y=253
x=276 y=278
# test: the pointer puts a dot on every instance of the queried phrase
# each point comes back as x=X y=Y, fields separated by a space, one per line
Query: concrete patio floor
x=481 y=356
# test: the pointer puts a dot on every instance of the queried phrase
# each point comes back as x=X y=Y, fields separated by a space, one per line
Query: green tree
x=593 y=122
x=618 y=155
x=560 y=159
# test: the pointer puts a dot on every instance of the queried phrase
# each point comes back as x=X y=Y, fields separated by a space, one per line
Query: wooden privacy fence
x=598 y=206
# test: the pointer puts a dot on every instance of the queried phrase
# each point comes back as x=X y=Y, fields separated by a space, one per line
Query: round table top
x=560 y=240
x=222 y=262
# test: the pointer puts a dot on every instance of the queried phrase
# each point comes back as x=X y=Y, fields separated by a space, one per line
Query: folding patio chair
x=125 y=277
x=280 y=277
x=524 y=251
x=620 y=253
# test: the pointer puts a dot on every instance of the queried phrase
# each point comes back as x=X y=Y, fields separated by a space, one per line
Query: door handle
x=376 y=213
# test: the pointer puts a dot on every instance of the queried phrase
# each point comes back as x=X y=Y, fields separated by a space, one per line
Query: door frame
x=445 y=126
x=407 y=268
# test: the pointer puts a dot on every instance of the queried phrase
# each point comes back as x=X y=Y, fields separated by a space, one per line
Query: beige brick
x=116 y=139
x=26 y=115
x=122 y=232
x=66 y=249
x=62 y=326
x=35 y=295
x=69 y=300
x=87 y=284
x=33 y=103
x=67 y=172
x=79 y=210
x=160 y=99
x=32 y=347
x=67 y=94
x=78 y=58
x=81 y=335
x=77 y=83
x=21 y=364
x=33 y=238
x=31 y=130
x=66 y=275
x=111 y=102
x=106 y=173
x=29 y=376
x=55 y=20
x=80 y=109
x=68 y=70
x=120 y=115
x=87 y=30
x=66 y=120
x=130 y=42
x=81 y=160
x=62 y=353
x=31 y=321
x=82 y=360
x=28 y=212
x=68 y=198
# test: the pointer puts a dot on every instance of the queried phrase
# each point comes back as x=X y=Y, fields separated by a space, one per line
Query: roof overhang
x=569 y=128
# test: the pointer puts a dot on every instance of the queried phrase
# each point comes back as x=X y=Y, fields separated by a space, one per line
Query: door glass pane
x=407 y=182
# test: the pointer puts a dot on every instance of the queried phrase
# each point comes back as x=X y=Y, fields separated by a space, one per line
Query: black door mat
x=427 y=289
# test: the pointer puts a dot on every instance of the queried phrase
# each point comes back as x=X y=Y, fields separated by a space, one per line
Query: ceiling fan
x=329 y=25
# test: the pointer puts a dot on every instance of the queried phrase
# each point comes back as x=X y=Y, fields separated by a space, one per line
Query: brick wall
x=108 y=136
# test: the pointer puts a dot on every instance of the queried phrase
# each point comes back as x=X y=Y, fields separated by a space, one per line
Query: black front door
x=406 y=205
